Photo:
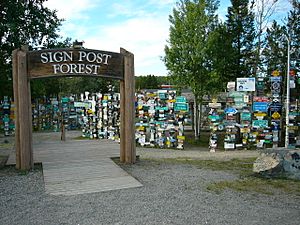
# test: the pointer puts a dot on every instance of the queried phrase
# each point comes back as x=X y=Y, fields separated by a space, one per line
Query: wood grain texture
x=24 y=113
x=16 y=101
x=38 y=69
x=129 y=113
x=80 y=166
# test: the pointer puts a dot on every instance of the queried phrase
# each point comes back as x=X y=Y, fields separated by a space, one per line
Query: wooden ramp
x=79 y=167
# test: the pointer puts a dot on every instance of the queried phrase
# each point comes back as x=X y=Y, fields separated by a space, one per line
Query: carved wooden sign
x=75 y=62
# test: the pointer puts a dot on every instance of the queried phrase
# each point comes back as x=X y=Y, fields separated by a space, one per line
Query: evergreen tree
x=240 y=24
x=293 y=27
x=274 y=53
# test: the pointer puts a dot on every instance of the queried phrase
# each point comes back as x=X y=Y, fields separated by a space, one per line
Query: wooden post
x=24 y=153
x=128 y=129
x=16 y=100
x=122 y=122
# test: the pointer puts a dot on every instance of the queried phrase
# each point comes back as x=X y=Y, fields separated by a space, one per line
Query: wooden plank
x=75 y=62
x=91 y=186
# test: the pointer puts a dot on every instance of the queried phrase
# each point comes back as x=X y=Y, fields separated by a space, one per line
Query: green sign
x=236 y=94
x=181 y=99
x=214 y=117
x=162 y=108
x=260 y=123
x=65 y=100
x=181 y=107
x=246 y=116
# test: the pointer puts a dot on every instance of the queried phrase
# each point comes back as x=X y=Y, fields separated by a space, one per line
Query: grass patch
x=8 y=145
x=258 y=185
x=191 y=142
x=81 y=138
x=240 y=166
x=203 y=141
x=3 y=159
x=247 y=181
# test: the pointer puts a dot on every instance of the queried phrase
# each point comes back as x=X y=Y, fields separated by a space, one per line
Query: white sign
x=245 y=84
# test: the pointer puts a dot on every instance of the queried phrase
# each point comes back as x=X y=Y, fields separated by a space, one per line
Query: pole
x=287 y=108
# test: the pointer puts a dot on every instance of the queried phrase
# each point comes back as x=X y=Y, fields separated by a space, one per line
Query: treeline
x=204 y=52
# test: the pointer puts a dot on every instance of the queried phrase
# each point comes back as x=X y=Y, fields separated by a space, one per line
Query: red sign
x=292 y=73
x=260 y=99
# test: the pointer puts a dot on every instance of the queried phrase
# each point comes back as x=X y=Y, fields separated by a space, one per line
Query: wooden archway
x=29 y=65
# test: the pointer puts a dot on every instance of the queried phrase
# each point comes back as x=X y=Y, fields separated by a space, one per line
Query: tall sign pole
x=287 y=108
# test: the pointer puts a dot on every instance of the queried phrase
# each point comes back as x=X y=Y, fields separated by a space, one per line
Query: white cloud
x=144 y=37
x=139 y=28
x=69 y=9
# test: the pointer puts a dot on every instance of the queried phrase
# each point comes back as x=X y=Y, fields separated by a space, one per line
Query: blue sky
x=139 y=26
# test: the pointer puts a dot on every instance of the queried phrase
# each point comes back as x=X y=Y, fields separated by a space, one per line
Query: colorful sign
x=260 y=123
x=181 y=107
x=181 y=99
x=245 y=84
x=276 y=115
x=246 y=116
x=260 y=99
x=230 y=110
x=260 y=106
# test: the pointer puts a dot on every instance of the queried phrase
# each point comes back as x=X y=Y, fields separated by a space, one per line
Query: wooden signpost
x=71 y=62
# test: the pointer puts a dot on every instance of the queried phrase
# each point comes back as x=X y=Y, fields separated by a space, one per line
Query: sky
x=139 y=26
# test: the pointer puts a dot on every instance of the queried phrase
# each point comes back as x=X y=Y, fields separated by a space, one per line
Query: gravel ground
x=172 y=194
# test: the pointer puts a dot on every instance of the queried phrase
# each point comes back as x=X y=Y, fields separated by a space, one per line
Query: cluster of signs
x=7 y=115
x=160 y=119
x=248 y=121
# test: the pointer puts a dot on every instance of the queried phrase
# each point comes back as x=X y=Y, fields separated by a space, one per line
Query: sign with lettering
x=245 y=84
x=181 y=107
x=260 y=123
x=260 y=106
x=75 y=62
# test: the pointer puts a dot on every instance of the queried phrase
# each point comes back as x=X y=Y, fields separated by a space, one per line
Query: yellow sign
x=276 y=115
x=181 y=138
x=276 y=73
x=293 y=127
x=171 y=100
x=260 y=114
x=245 y=130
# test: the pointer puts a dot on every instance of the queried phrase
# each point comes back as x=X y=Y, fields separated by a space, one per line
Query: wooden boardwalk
x=80 y=166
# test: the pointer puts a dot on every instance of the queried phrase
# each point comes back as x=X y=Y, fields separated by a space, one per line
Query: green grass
x=247 y=181
x=203 y=141
x=6 y=145
x=258 y=185
x=81 y=138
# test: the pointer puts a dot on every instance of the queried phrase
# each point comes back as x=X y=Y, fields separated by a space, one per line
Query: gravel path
x=172 y=194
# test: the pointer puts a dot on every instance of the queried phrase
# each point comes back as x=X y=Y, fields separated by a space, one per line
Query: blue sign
x=230 y=110
x=260 y=106
x=275 y=107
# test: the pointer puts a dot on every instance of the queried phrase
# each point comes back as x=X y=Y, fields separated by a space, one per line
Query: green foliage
x=192 y=23
x=23 y=23
x=146 y=82
x=241 y=32
x=274 y=56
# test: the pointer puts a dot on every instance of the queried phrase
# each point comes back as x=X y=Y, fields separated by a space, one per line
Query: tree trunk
x=200 y=119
